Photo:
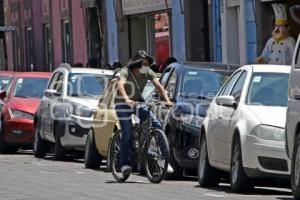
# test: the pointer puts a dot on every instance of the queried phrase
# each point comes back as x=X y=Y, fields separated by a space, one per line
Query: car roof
x=269 y=68
x=8 y=73
x=80 y=70
x=34 y=75
x=210 y=65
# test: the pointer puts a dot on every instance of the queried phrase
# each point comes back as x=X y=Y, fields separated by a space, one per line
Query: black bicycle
x=149 y=151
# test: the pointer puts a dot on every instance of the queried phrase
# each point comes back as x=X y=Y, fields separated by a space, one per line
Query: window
x=48 y=53
x=237 y=89
x=30 y=87
x=297 y=61
x=66 y=40
x=29 y=48
x=171 y=85
x=230 y=83
x=53 y=80
x=165 y=76
x=268 y=89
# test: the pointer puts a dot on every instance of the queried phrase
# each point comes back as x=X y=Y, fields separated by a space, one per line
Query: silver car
x=66 y=112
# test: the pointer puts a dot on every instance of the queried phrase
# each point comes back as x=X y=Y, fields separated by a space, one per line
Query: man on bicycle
x=132 y=81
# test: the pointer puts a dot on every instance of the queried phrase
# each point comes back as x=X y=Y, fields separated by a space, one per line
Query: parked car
x=191 y=87
x=6 y=78
x=66 y=112
x=105 y=124
x=293 y=123
x=22 y=101
x=243 y=132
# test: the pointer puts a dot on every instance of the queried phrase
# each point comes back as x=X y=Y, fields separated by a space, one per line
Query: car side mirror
x=52 y=93
x=2 y=94
x=228 y=101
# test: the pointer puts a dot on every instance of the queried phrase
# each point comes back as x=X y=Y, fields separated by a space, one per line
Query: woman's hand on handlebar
x=130 y=103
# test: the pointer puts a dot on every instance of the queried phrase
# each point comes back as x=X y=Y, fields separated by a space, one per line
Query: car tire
x=40 y=146
x=4 y=147
x=59 y=150
x=295 y=171
x=240 y=182
x=92 y=158
x=208 y=176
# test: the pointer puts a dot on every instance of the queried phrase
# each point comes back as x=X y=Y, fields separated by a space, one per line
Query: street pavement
x=23 y=177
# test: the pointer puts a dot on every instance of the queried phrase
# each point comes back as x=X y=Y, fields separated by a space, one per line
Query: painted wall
x=178 y=33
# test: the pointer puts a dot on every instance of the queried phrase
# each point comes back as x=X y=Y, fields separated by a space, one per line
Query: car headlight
x=269 y=132
x=82 y=111
x=193 y=120
x=20 y=114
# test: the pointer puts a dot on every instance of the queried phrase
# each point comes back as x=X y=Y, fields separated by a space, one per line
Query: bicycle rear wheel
x=115 y=157
x=157 y=153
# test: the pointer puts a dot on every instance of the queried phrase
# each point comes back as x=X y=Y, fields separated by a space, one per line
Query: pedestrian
x=116 y=65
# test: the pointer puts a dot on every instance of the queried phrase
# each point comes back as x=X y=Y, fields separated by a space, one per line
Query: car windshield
x=30 y=87
x=268 y=89
x=202 y=84
x=4 y=82
x=86 y=85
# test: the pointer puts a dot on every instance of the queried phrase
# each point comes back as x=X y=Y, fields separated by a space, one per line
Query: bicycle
x=149 y=149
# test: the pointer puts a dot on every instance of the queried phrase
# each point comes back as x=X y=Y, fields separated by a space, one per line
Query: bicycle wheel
x=157 y=153
x=115 y=158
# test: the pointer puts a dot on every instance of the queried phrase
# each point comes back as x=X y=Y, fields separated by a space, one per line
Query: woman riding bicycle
x=132 y=81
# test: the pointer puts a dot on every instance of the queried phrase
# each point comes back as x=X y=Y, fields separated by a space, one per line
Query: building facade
x=48 y=32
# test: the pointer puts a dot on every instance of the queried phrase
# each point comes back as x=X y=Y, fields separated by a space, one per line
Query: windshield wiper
x=195 y=97
x=22 y=96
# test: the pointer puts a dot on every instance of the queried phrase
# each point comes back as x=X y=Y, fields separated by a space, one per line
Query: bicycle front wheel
x=157 y=153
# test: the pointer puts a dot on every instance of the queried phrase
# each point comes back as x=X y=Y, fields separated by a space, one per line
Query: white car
x=65 y=115
x=243 y=132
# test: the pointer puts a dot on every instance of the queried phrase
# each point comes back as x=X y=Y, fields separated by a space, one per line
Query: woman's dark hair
x=142 y=54
x=133 y=64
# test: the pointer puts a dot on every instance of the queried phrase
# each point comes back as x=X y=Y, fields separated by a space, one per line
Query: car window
x=86 y=85
x=229 y=84
x=30 y=87
x=59 y=84
x=165 y=77
x=268 y=89
x=297 y=58
x=171 y=85
x=237 y=89
x=202 y=83
x=4 y=82
x=52 y=83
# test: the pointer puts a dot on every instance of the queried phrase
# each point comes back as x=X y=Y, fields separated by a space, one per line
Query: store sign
x=88 y=3
x=131 y=7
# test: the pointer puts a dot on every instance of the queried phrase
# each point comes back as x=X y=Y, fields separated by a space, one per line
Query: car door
x=293 y=111
x=105 y=118
x=228 y=118
x=214 y=137
x=50 y=102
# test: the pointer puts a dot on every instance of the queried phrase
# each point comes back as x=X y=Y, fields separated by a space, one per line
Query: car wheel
x=207 y=175
x=59 y=150
x=240 y=182
x=4 y=147
x=295 y=172
x=92 y=158
x=40 y=146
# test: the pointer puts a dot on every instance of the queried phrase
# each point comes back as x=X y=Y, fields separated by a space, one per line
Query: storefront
x=144 y=24
x=266 y=17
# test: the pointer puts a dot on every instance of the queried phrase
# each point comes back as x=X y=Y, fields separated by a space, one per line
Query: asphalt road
x=23 y=177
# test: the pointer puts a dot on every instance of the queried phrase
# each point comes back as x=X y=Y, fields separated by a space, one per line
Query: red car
x=23 y=99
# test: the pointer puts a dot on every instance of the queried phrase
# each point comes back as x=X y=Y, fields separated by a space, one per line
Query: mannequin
x=280 y=47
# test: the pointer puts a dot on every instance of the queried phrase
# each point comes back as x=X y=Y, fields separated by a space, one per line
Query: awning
x=88 y=3
x=130 y=7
